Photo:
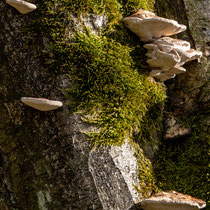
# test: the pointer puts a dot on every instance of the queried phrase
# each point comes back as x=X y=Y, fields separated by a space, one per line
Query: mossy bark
x=46 y=160
x=184 y=160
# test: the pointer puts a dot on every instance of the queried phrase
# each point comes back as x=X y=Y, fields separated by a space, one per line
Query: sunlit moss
x=109 y=72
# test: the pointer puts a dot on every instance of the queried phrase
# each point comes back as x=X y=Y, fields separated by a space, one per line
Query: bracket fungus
x=163 y=60
x=22 y=6
x=176 y=70
x=182 y=48
x=165 y=55
x=169 y=55
x=172 y=201
x=148 y=26
x=164 y=76
x=155 y=71
x=41 y=104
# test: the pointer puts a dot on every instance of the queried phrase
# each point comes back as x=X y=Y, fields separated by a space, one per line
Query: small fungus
x=155 y=71
x=172 y=201
x=148 y=26
x=22 y=6
x=176 y=70
x=41 y=104
x=164 y=76
x=163 y=60
x=167 y=44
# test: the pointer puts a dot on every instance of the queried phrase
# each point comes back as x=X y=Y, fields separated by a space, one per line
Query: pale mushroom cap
x=162 y=59
x=22 y=6
x=170 y=54
x=41 y=104
x=176 y=70
x=175 y=43
x=186 y=54
x=150 y=46
x=153 y=27
x=155 y=72
x=172 y=201
x=164 y=76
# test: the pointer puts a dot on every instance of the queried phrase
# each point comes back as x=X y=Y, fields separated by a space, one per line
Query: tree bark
x=46 y=161
x=186 y=157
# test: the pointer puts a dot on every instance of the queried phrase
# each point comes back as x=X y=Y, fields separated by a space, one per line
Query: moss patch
x=110 y=76
x=183 y=164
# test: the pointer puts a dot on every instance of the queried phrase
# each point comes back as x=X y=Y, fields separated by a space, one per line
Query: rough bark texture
x=188 y=102
x=46 y=161
x=190 y=89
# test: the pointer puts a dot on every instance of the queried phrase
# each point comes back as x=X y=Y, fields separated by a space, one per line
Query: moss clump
x=105 y=68
x=108 y=83
x=183 y=164
x=109 y=72
x=147 y=180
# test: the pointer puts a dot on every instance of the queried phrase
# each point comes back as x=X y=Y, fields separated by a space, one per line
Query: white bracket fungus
x=22 y=6
x=161 y=59
x=169 y=55
x=165 y=55
x=155 y=71
x=164 y=76
x=148 y=26
x=168 y=45
x=41 y=104
x=176 y=70
x=172 y=201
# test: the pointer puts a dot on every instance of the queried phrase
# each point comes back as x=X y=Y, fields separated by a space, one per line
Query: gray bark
x=46 y=161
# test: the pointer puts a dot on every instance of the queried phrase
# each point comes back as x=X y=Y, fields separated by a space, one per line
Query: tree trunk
x=183 y=161
x=46 y=158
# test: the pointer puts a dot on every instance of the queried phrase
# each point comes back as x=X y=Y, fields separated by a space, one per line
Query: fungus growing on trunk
x=164 y=76
x=172 y=201
x=22 y=6
x=148 y=26
x=155 y=71
x=41 y=104
x=169 y=55
x=176 y=70
x=167 y=44
x=163 y=60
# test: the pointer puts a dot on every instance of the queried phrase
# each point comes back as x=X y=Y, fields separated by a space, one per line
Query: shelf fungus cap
x=163 y=60
x=155 y=71
x=164 y=76
x=175 y=43
x=172 y=201
x=167 y=44
x=176 y=70
x=148 y=26
x=41 y=104
x=22 y=6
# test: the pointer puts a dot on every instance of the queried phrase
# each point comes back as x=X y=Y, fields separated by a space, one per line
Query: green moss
x=108 y=83
x=112 y=87
x=183 y=164
x=147 y=181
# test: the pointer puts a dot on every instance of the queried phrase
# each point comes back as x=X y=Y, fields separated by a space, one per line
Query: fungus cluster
x=165 y=55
